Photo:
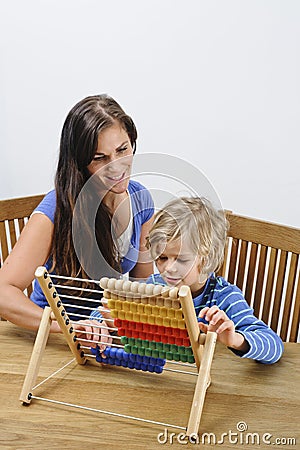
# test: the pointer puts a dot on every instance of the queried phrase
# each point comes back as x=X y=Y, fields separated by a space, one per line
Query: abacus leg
x=202 y=384
x=36 y=357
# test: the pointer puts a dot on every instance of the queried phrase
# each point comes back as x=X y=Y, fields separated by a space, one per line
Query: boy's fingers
x=210 y=312
x=203 y=312
x=203 y=327
x=227 y=325
x=218 y=316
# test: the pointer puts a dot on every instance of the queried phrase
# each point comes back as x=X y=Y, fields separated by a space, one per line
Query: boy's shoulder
x=222 y=285
x=226 y=294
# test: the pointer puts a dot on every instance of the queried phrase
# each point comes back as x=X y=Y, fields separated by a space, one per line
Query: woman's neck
x=119 y=207
x=113 y=201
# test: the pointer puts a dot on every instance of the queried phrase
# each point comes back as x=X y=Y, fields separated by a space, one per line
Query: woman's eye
x=99 y=158
x=122 y=149
x=162 y=258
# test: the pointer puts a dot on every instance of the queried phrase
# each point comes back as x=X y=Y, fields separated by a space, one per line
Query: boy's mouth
x=172 y=280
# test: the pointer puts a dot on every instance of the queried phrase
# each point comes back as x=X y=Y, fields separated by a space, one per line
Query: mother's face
x=113 y=159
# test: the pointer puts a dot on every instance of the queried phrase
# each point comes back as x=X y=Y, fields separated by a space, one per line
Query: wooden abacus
x=154 y=323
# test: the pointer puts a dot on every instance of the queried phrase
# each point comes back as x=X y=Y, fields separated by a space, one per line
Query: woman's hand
x=219 y=322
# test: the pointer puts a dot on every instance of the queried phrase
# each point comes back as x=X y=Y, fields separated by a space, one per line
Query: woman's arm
x=31 y=250
x=144 y=266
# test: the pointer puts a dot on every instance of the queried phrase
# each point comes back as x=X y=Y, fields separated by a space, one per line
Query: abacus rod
x=108 y=412
x=74 y=278
x=79 y=306
x=91 y=300
x=61 y=286
x=100 y=342
x=96 y=326
x=186 y=364
x=181 y=371
x=88 y=317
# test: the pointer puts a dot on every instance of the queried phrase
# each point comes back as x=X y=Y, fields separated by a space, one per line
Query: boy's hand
x=219 y=322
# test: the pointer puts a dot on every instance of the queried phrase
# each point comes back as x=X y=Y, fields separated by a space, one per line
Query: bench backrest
x=14 y=213
x=262 y=259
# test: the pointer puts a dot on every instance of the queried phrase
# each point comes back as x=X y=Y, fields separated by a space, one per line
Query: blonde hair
x=195 y=221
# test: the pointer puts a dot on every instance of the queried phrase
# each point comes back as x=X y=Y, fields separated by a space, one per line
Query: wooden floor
x=264 y=398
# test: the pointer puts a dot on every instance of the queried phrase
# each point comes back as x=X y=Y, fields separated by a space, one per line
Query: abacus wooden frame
x=203 y=349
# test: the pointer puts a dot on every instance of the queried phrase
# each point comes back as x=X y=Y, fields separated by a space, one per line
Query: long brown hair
x=78 y=144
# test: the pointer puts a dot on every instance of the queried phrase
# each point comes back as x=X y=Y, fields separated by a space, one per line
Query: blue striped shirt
x=265 y=345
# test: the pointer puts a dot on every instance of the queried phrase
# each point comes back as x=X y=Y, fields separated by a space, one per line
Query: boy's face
x=179 y=266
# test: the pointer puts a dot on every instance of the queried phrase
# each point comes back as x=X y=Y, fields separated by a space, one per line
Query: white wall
x=213 y=82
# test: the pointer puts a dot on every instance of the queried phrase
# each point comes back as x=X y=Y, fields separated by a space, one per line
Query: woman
x=94 y=223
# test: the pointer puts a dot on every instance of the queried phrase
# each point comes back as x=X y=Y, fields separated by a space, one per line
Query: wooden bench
x=261 y=258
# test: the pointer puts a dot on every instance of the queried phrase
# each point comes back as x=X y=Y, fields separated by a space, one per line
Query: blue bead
x=160 y=362
x=113 y=352
x=132 y=357
x=94 y=351
x=137 y=365
x=107 y=351
x=131 y=364
x=99 y=358
x=119 y=353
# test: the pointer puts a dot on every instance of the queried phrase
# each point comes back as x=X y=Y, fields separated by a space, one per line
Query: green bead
x=191 y=359
x=169 y=355
x=139 y=343
x=148 y=352
x=176 y=356
x=183 y=358
x=127 y=348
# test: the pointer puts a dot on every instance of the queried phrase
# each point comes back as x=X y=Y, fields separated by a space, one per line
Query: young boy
x=187 y=243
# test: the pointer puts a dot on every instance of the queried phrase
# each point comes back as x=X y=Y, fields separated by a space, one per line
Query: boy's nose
x=171 y=266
